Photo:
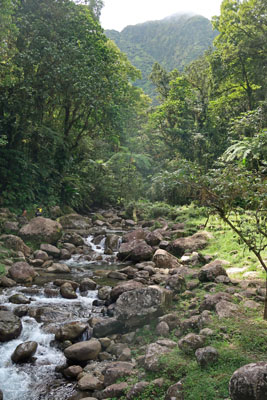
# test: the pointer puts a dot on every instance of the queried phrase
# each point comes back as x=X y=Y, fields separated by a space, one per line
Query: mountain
x=174 y=42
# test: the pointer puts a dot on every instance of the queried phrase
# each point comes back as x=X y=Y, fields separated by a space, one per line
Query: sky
x=117 y=14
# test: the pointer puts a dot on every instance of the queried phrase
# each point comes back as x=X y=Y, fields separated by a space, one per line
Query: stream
x=39 y=380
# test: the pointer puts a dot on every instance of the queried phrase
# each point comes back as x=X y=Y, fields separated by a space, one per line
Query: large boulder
x=22 y=272
x=249 y=382
x=211 y=271
x=10 y=326
x=138 y=306
x=163 y=259
x=83 y=351
x=75 y=221
x=41 y=230
x=137 y=250
x=15 y=243
x=189 y=244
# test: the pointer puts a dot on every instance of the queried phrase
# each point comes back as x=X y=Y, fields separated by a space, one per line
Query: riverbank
x=133 y=309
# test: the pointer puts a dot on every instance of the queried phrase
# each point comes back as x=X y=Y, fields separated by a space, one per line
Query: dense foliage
x=65 y=100
x=74 y=130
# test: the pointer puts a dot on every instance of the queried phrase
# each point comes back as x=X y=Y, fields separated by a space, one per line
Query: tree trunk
x=265 y=302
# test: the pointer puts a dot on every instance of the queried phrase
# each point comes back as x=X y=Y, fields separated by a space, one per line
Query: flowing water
x=38 y=380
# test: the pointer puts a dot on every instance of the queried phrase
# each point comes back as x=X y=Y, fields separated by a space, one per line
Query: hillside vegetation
x=173 y=42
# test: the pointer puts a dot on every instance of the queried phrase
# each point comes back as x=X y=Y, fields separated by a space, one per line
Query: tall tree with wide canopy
x=67 y=86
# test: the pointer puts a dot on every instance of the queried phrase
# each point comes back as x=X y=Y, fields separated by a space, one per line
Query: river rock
x=136 y=250
x=210 y=301
x=87 y=284
x=73 y=371
x=22 y=272
x=211 y=271
x=76 y=222
x=191 y=243
x=24 y=352
x=73 y=238
x=112 y=242
x=137 y=390
x=59 y=282
x=113 y=391
x=117 y=371
x=176 y=283
x=40 y=255
x=172 y=320
x=175 y=392
x=10 y=326
x=154 y=351
x=50 y=250
x=140 y=305
x=163 y=259
x=107 y=327
x=191 y=342
x=40 y=230
x=65 y=254
x=206 y=356
x=134 y=235
x=70 y=331
x=83 y=351
x=104 y=292
x=58 y=268
x=19 y=298
x=225 y=309
x=162 y=329
x=50 y=315
x=90 y=382
x=117 y=275
x=249 y=382
x=154 y=238
x=67 y=291
x=15 y=243
x=7 y=282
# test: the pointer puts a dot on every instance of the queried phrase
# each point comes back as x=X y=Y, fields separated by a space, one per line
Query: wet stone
x=24 y=352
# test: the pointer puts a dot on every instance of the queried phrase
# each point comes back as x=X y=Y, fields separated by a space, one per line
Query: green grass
x=2 y=269
x=225 y=245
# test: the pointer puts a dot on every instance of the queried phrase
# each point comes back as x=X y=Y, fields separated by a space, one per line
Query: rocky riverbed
x=79 y=289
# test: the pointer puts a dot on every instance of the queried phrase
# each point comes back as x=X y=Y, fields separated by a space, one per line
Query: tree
x=241 y=46
x=67 y=86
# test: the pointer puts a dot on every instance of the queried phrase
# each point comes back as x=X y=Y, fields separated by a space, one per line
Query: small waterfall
x=32 y=381
x=17 y=381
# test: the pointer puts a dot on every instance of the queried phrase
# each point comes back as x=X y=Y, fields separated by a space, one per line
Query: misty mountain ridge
x=174 y=42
